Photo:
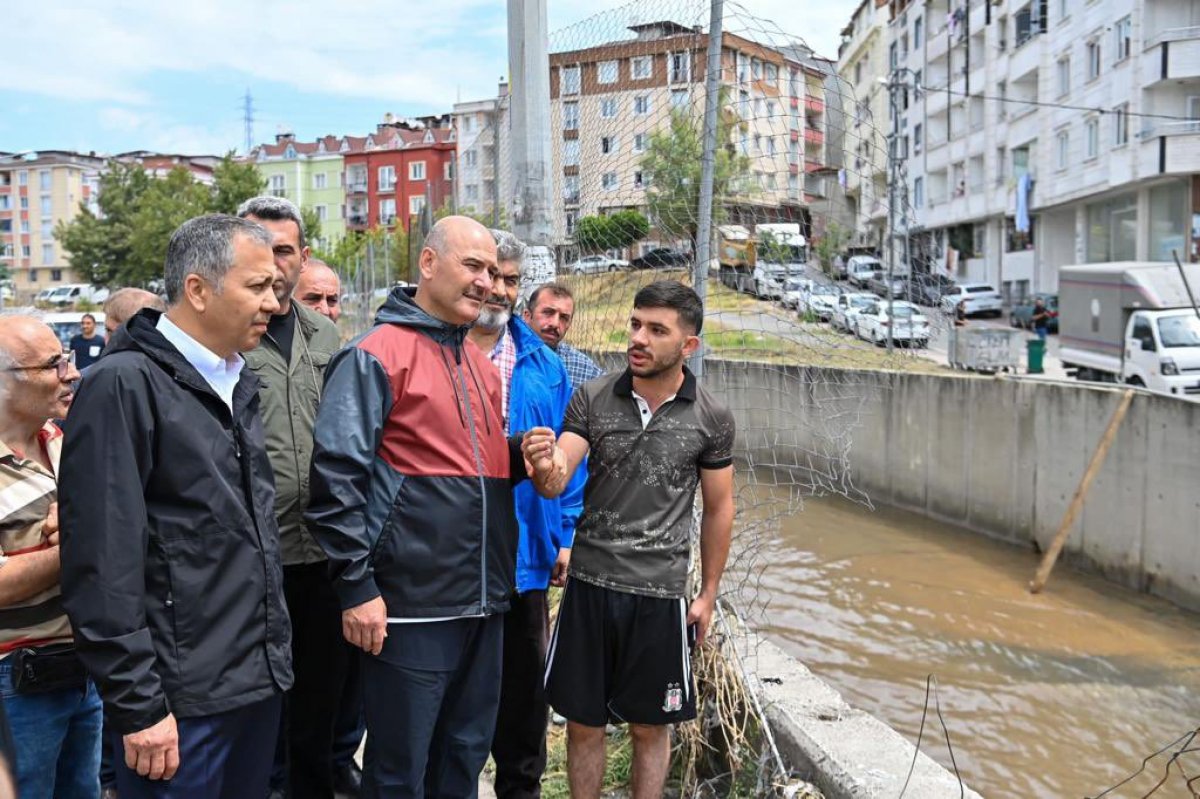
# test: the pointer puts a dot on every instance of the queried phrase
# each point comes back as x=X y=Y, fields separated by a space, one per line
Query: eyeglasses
x=62 y=365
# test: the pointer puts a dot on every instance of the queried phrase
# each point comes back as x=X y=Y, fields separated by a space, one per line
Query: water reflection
x=1055 y=695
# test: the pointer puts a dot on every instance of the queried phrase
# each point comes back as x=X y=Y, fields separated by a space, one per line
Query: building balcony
x=1173 y=54
x=813 y=164
x=356 y=220
x=814 y=185
x=814 y=104
x=386 y=188
x=571 y=197
x=356 y=186
x=387 y=220
x=813 y=136
x=1170 y=148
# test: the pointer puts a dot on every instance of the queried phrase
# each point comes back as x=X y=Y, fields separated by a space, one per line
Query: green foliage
x=487 y=220
x=125 y=245
x=673 y=162
x=353 y=256
x=830 y=244
x=312 y=224
x=613 y=231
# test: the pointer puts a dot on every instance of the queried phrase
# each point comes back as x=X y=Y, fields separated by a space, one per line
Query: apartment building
x=608 y=100
x=394 y=173
x=1047 y=132
x=483 y=163
x=37 y=191
x=861 y=66
x=310 y=174
x=159 y=165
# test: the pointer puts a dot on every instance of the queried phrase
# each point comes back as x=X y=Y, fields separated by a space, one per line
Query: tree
x=612 y=231
x=312 y=224
x=125 y=244
x=672 y=161
x=830 y=244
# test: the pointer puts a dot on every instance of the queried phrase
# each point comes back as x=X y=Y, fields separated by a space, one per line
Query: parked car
x=796 y=289
x=43 y=296
x=927 y=289
x=881 y=286
x=819 y=304
x=981 y=298
x=591 y=264
x=906 y=323
x=847 y=307
x=861 y=268
x=71 y=293
x=1022 y=314
x=68 y=324
x=661 y=257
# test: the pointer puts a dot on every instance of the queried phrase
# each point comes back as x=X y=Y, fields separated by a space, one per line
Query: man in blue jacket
x=535 y=391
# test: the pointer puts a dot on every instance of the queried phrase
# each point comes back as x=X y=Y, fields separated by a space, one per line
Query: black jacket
x=170 y=553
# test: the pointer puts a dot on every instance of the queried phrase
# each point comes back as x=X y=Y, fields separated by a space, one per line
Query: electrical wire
x=1064 y=106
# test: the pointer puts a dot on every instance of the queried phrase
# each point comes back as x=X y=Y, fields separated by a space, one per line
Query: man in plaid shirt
x=549 y=312
x=535 y=391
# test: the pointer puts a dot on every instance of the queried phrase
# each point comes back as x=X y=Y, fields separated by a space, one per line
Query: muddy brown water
x=1057 y=695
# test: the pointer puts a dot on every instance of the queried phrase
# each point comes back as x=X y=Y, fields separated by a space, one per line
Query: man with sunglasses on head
x=53 y=709
x=290 y=363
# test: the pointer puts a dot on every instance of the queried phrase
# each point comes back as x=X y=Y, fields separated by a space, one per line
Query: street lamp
x=896 y=82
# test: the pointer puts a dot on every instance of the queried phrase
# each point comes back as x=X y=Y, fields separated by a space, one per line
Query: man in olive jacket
x=290 y=363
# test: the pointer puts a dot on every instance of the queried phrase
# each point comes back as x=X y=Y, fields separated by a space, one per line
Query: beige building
x=37 y=191
x=862 y=62
x=483 y=161
x=608 y=101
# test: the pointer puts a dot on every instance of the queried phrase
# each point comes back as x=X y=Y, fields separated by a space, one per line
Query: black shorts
x=620 y=657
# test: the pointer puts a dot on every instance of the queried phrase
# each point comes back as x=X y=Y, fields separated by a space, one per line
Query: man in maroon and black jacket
x=412 y=502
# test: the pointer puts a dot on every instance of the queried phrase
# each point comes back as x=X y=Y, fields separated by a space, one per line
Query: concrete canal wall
x=999 y=456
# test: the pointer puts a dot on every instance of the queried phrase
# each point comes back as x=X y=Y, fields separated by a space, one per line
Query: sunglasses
x=62 y=365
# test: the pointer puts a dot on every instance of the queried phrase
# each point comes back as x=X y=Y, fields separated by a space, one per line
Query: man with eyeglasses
x=53 y=709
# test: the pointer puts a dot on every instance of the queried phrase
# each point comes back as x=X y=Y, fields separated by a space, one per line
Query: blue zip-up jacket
x=538 y=397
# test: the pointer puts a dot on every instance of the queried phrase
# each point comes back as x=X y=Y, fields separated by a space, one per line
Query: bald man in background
x=320 y=289
x=122 y=304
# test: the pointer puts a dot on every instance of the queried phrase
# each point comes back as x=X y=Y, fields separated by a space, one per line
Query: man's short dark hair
x=204 y=246
x=557 y=289
x=273 y=209
x=88 y=316
x=673 y=294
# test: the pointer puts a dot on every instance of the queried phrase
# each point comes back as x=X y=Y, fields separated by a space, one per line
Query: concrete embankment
x=845 y=752
x=998 y=456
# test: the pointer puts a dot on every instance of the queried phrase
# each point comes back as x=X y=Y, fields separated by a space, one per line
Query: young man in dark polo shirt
x=620 y=648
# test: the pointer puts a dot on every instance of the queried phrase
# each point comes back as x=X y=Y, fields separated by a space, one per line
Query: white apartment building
x=862 y=63
x=1050 y=105
x=608 y=100
x=484 y=155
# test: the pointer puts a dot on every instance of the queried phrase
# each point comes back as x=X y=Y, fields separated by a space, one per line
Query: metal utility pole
x=248 y=119
x=708 y=165
x=897 y=82
x=529 y=106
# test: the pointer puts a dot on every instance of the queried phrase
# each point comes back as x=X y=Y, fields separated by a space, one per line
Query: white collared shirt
x=220 y=373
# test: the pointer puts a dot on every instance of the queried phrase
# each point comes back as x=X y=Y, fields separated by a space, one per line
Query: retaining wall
x=998 y=456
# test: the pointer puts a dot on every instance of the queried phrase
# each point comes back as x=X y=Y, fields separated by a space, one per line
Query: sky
x=116 y=75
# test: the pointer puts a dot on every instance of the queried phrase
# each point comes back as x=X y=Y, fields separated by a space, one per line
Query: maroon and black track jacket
x=411 y=491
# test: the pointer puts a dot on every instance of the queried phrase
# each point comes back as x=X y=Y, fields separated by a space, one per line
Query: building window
x=571 y=189
x=744 y=104
x=641 y=104
x=24 y=203
x=24 y=225
x=1170 y=212
x=608 y=108
x=1063 y=141
x=919 y=193
x=25 y=251
x=44 y=180
x=772 y=74
x=1064 y=76
x=918 y=32
x=47 y=229
x=5 y=202
x=322 y=212
x=47 y=206
x=319 y=180
x=416 y=205
x=571 y=116
x=1112 y=229
x=609 y=145
x=1091 y=138
x=770 y=109
x=448 y=170
x=416 y=170
x=858 y=68
x=1093 y=60
x=571 y=152
x=470 y=158
x=471 y=191
x=570 y=80
x=639 y=179
x=641 y=67
x=680 y=68
x=1064 y=10
x=770 y=145
x=1121 y=125
x=639 y=142
x=1123 y=37
x=679 y=100
x=757 y=143
x=608 y=181
x=33 y=275
x=570 y=218
x=918 y=138
x=387 y=178
x=894 y=55
x=387 y=212
x=606 y=71
x=47 y=254
x=23 y=178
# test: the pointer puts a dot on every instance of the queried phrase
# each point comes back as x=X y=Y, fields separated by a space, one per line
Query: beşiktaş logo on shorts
x=673 y=700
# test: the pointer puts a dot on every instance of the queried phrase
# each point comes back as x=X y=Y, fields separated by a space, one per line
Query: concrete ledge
x=845 y=752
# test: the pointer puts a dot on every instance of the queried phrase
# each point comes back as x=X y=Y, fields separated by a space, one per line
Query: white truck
x=1132 y=322
x=781 y=252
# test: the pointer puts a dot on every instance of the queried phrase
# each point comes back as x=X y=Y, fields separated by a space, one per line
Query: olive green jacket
x=289 y=393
